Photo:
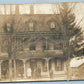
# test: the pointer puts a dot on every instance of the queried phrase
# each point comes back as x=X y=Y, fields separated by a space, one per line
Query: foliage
x=73 y=31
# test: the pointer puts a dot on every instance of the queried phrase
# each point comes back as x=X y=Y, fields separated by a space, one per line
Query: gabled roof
x=41 y=21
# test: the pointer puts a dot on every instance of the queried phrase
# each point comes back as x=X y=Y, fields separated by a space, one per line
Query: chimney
x=10 y=9
x=4 y=9
x=31 y=9
x=17 y=10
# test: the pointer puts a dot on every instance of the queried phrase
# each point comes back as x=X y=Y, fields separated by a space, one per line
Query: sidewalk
x=26 y=79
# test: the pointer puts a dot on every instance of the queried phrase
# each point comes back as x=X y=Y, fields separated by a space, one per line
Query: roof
x=77 y=61
x=41 y=22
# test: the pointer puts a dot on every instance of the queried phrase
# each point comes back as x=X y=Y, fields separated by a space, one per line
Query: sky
x=35 y=1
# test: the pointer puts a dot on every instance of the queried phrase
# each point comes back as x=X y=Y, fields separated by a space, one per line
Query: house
x=77 y=68
x=38 y=42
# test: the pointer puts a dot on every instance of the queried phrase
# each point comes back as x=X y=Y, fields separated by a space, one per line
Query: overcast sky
x=46 y=9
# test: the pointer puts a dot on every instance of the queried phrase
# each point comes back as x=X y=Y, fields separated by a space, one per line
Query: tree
x=73 y=31
x=12 y=43
x=72 y=35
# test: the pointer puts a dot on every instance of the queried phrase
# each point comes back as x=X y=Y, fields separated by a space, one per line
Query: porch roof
x=39 y=54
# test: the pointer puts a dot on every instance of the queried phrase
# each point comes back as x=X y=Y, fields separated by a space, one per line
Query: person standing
x=29 y=72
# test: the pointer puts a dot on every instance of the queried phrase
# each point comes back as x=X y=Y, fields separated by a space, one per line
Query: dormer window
x=31 y=25
x=52 y=25
x=8 y=28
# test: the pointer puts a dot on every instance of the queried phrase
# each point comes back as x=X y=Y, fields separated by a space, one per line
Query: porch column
x=47 y=65
x=24 y=64
x=14 y=68
x=10 y=70
x=0 y=68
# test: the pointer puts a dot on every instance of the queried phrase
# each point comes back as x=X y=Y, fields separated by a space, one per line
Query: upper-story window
x=52 y=25
x=58 y=46
x=8 y=27
x=32 y=47
x=31 y=26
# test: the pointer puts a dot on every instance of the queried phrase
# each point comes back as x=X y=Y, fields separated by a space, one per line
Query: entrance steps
x=60 y=76
x=45 y=75
x=56 y=75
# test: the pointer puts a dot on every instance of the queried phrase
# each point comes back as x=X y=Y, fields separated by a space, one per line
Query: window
x=20 y=68
x=45 y=46
x=31 y=26
x=58 y=45
x=59 y=65
x=32 y=47
x=64 y=44
x=44 y=66
x=8 y=27
x=52 y=25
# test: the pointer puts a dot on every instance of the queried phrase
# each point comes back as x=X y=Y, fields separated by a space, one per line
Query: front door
x=19 y=69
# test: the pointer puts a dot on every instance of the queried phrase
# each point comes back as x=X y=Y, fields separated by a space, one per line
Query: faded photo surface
x=41 y=42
